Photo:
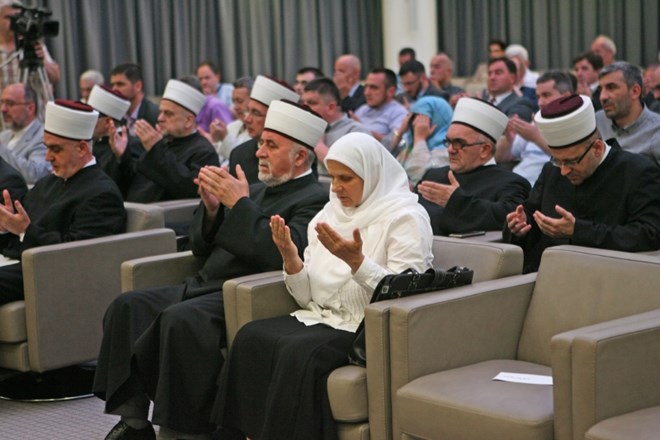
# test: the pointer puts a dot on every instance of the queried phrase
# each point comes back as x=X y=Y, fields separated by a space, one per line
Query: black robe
x=87 y=205
x=117 y=169
x=12 y=181
x=485 y=196
x=617 y=207
x=168 y=170
x=177 y=343
x=245 y=155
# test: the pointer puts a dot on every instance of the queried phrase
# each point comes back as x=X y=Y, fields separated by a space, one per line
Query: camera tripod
x=32 y=73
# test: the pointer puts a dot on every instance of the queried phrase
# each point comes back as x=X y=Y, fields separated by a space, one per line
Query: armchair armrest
x=254 y=297
x=453 y=328
x=68 y=287
x=178 y=211
x=159 y=270
x=614 y=368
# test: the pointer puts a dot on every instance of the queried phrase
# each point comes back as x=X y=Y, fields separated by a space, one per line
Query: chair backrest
x=140 y=217
x=488 y=260
x=578 y=286
x=178 y=211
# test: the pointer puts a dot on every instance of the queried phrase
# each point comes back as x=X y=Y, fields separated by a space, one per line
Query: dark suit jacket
x=246 y=155
x=12 y=181
x=516 y=105
x=148 y=111
x=352 y=103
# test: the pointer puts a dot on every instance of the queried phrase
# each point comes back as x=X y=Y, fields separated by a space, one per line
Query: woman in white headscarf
x=274 y=382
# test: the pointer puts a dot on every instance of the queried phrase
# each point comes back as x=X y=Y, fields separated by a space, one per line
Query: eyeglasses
x=10 y=103
x=254 y=114
x=459 y=144
x=570 y=163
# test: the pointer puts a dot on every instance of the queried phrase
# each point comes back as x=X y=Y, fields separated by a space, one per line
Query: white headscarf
x=386 y=189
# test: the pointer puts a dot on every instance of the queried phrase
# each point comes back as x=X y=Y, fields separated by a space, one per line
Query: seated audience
x=587 y=67
x=604 y=47
x=372 y=226
x=212 y=110
x=225 y=137
x=653 y=99
x=472 y=193
x=88 y=79
x=347 y=79
x=163 y=344
x=264 y=91
x=517 y=51
x=442 y=69
x=523 y=142
x=500 y=90
x=624 y=117
x=416 y=84
x=127 y=80
x=590 y=194
x=496 y=49
x=76 y=202
x=174 y=152
x=22 y=143
x=420 y=139
x=112 y=107
x=304 y=76
x=322 y=96
x=381 y=114
x=210 y=80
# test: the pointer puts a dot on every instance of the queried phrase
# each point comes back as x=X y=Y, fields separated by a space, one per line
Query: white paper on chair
x=532 y=379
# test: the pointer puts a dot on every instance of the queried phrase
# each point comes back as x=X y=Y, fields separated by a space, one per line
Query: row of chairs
x=430 y=358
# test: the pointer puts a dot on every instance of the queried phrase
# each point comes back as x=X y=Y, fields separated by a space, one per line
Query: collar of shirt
x=353 y=89
x=625 y=130
x=495 y=100
x=17 y=135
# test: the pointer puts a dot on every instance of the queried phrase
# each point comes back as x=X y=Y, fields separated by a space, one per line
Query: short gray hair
x=92 y=75
x=631 y=74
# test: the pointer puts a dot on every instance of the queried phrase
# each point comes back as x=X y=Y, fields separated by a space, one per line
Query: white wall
x=409 y=23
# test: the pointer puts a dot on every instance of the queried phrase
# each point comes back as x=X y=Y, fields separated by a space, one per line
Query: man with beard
x=624 y=116
x=264 y=91
x=590 y=193
x=164 y=343
x=174 y=151
x=127 y=79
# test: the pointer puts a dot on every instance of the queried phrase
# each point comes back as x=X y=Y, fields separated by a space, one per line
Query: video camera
x=29 y=26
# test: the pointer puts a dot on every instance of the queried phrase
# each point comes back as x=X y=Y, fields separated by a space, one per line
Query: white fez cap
x=184 y=95
x=480 y=115
x=265 y=90
x=71 y=120
x=295 y=122
x=108 y=102
x=567 y=121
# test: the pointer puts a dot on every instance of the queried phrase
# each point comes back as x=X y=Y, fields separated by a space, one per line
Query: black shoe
x=121 y=431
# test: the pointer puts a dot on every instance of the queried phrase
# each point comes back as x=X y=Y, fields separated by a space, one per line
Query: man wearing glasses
x=590 y=193
x=472 y=193
x=264 y=91
x=22 y=143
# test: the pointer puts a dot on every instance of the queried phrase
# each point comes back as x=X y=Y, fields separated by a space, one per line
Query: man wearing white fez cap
x=472 y=193
x=77 y=201
x=112 y=107
x=175 y=151
x=176 y=351
x=264 y=91
x=590 y=193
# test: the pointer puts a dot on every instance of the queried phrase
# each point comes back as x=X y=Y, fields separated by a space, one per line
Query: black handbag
x=407 y=283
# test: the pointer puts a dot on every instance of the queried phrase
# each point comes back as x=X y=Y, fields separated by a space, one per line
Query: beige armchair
x=178 y=211
x=614 y=372
x=68 y=287
x=362 y=411
x=445 y=349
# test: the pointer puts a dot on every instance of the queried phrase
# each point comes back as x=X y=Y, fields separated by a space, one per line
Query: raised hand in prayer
x=516 y=221
x=288 y=249
x=350 y=251
x=562 y=227
x=147 y=134
x=118 y=138
x=15 y=222
x=218 y=185
x=438 y=193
